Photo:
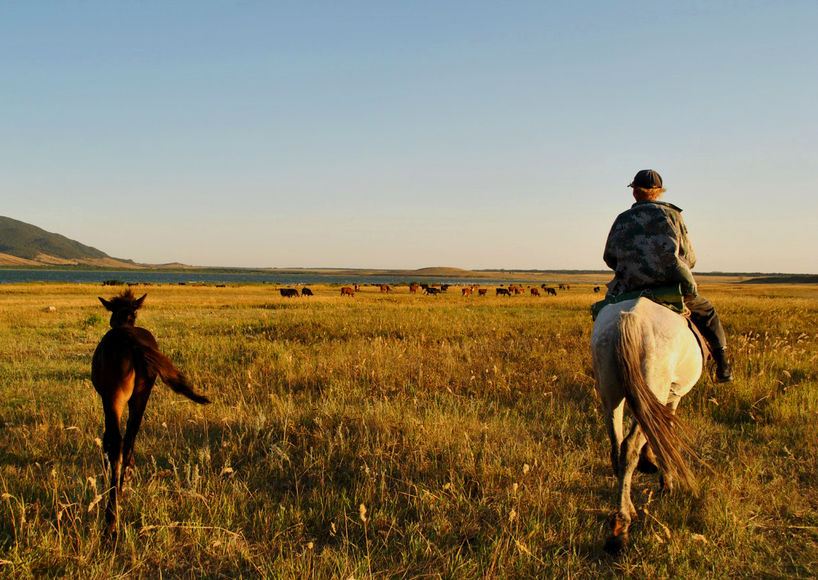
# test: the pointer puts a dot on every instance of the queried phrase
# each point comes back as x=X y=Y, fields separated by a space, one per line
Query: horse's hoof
x=616 y=545
x=111 y=522
x=111 y=530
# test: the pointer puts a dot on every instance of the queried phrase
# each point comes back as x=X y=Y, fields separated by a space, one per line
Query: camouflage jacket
x=648 y=246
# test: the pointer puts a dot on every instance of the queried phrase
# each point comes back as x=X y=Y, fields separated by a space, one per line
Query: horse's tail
x=662 y=428
x=159 y=364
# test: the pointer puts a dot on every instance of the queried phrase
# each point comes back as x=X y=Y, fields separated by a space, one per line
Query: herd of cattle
x=435 y=289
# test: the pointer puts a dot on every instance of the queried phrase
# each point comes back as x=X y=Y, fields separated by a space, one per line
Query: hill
x=23 y=244
x=785 y=279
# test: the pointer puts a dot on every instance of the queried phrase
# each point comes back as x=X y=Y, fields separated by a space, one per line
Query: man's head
x=647 y=185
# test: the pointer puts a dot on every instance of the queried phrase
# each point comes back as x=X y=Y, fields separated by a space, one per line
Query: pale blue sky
x=408 y=134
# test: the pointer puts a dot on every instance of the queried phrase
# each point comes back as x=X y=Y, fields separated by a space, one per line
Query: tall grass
x=394 y=436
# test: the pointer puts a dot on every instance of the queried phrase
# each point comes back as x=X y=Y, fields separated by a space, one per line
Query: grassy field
x=395 y=436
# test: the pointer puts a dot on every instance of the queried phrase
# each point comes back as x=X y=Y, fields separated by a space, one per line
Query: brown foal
x=124 y=369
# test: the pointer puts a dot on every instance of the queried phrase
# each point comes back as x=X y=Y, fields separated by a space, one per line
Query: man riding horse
x=648 y=247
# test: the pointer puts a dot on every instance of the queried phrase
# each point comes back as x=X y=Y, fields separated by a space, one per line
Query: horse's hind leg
x=628 y=460
x=112 y=445
x=136 y=410
x=666 y=483
x=613 y=424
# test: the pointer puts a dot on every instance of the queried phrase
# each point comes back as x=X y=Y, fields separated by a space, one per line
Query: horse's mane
x=125 y=300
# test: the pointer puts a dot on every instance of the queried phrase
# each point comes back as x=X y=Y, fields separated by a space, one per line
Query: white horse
x=645 y=354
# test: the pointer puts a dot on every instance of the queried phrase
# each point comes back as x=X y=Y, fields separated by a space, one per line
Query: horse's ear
x=106 y=304
x=139 y=302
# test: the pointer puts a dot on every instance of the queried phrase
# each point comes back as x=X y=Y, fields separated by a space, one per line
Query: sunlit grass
x=467 y=427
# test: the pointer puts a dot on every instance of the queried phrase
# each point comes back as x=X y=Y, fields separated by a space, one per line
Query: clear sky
x=384 y=134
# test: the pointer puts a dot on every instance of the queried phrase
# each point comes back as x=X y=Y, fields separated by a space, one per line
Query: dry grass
x=467 y=428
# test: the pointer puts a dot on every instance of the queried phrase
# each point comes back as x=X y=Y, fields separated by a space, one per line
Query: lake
x=199 y=277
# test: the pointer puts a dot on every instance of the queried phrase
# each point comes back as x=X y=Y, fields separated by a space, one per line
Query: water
x=284 y=279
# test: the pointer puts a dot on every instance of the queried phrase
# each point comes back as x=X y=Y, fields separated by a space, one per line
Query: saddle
x=707 y=354
x=670 y=297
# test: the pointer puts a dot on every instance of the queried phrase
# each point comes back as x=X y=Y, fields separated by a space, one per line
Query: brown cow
x=466 y=291
x=413 y=288
x=385 y=289
x=347 y=291
x=482 y=291
x=535 y=291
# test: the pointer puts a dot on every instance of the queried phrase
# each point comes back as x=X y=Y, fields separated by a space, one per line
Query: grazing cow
x=385 y=289
x=535 y=292
x=482 y=291
x=347 y=291
x=413 y=288
x=551 y=291
x=431 y=291
x=289 y=292
x=596 y=289
x=444 y=287
x=465 y=291
x=306 y=292
x=502 y=292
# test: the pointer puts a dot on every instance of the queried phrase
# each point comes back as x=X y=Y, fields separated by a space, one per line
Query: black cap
x=647 y=179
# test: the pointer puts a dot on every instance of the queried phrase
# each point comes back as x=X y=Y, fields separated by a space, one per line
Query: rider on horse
x=648 y=247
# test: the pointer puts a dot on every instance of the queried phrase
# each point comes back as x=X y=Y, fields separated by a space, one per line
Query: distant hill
x=23 y=244
x=784 y=279
x=441 y=271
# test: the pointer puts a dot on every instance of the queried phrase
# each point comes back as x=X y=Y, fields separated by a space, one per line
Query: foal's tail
x=659 y=423
x=161 y=365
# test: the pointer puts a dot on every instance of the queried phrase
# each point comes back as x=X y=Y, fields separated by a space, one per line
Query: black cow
x=502 y=292
x=306 y=292
x=289 y=292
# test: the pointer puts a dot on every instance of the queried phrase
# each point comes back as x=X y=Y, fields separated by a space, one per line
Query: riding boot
x=724 y=373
